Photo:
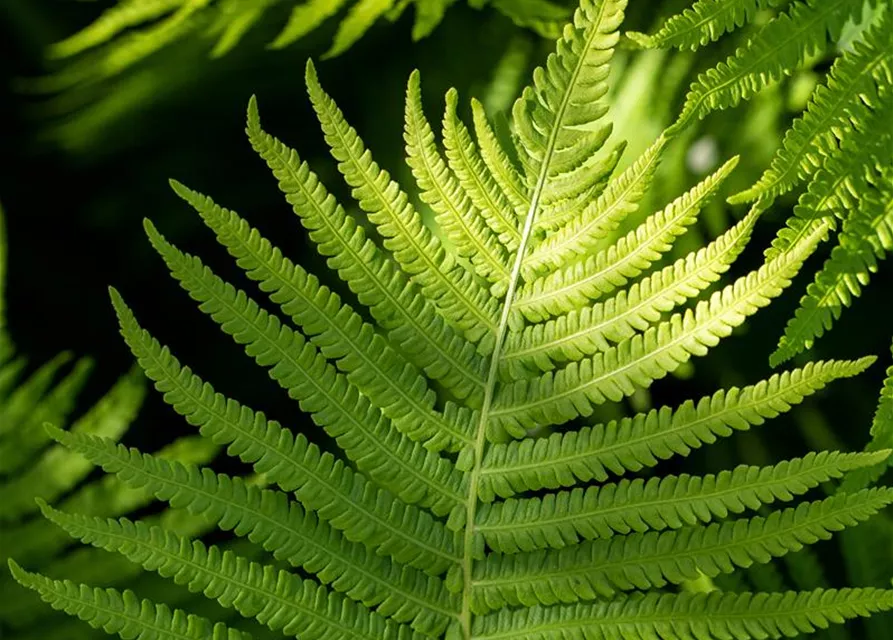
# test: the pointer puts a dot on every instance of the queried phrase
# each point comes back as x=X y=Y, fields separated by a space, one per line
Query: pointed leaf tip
x=44 y=507
x=16 y=570
x=178 y=187
x=115 y=296
x=414 y=83
x=639 y=39
x=253 y=113
x=55 y=432
x=152 y=231
x=742 y=197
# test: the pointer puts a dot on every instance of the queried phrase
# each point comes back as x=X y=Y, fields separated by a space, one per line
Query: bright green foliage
x=866 y=552
x=881 y=436
x=34 y=468
x=462 y=498
x=123 y=613
x=704 y=22
x=842 y=144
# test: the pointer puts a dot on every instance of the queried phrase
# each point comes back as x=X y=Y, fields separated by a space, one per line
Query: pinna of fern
x=866 y=552
x=448 y=511
x=841 y=146
x=33 y=467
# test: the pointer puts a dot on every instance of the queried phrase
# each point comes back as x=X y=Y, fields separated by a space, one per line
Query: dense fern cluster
x=841 y=146
x=471 y=497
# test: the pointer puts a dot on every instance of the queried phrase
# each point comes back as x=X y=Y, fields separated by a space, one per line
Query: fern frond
x=276 y=598
x=702 y=23
x=543 y=16
x=504 y=172
x=632 y=444
x=27 y=395
x=590 y=278
x=556 y=118
x=282 y=527
x=359 y=20
x=368 y=439
x=441 y=386
x=456 y=215
x=600 y=568
x=582 y=234
x=476 y=179
x=411 y=321
x=36 y=401
x=866 y=236
x=848 y=96
x=881 y=433
x=583 y=332
x=573 y=390
x=461 y=301
x=707 y=615
x=336 y=493
x=32 y=541
x=304 y=18
x=382 y=374
x=131 y=30
x=562 y=519
x=781 y=46
x=123 y=613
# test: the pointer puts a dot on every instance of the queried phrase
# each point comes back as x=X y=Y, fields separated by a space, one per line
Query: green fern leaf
x=600 y=568
x=780 y=46
x=123 y=613
x=881 y=433
x=456 y=215
x=704 y=22
x=589 y=278
x=278 y=599
x=559 y=135
x=499 y=163
x=866 y=236
x=282 y=527
x=382 y=374
x=614 y=374
x=304 y=18
x=56 y=471
x=440 y=386
x=27 y=395
x=590 y=329
x=592 y=453
x=461 y=301
x=415 y=475
x=712 y=616
x=580 y=235
x=848 y=97
x=34 y=402
x=294 y=464
x=483 y=188
x=377 y=281
x=562 y=519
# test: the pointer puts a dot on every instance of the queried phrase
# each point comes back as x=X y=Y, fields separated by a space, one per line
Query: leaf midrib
x=493 y=374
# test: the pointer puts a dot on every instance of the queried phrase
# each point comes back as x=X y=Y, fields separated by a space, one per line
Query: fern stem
x=501 y=330
x=492 y=376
